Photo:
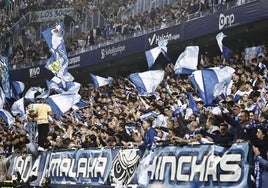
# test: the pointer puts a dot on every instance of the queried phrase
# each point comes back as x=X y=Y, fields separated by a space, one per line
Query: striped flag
x=224 y=50
x=147 y=82
x=207 y=81
x=58 y=62
x=99 y=81
x=187 y=60
x=152 y=54
x=4 y=76
x=61 y=103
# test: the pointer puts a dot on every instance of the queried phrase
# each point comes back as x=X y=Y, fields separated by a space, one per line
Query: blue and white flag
x=99 y=81
x=53 y=86
x=192 y=103
x=147 y=82
x=187 y=60
x=253 y=52
x=7 y=117
x=61 y=103
x=18 y=88
x=147 y=115
x=58 y=62
x=152 y=54
x=209 y=81
x=4 y=76
x=34 y=92
x=72 y=88
x=224 y=50
x=18 y=108
x=2 y=98
x=80 y=105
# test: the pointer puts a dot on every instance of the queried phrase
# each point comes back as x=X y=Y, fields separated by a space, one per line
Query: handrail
x=122 y=38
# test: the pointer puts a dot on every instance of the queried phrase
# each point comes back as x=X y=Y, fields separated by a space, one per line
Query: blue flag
x=4 y=76
x=99 y=81
x=187 y=60
x=7 y=117
x=80 y=105
x=18 y=108
x=192 y=104
x=58 y=62
x=18 y=88
x=224 y=49
x=210 y=82
x=2 y=98
x=152 y=54
x=61 y=103
x=147 y=82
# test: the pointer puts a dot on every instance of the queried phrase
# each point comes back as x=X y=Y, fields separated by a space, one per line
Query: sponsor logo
x=34 y=72
x=155 y=39
x=114 y=51
x=226 y=20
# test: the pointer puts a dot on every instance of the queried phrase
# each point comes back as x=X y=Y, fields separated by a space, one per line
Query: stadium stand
x=115 y=114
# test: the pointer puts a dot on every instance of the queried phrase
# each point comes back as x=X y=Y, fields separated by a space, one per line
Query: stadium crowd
x=117 y=116
x=115 y=28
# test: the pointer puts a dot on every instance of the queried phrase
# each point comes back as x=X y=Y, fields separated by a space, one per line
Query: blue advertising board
x=187 y=30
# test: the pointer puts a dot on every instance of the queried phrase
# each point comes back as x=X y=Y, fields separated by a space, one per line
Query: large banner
x=205 y=165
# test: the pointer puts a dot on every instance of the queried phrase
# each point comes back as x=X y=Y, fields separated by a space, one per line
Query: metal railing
x=125 y=37
x=144 y=5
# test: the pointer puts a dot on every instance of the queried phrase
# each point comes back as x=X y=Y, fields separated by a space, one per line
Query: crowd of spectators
x=117 y=115
x=116 y=26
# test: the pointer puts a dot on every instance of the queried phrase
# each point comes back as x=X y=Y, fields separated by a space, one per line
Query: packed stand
x=118 y=116
x=114 y=29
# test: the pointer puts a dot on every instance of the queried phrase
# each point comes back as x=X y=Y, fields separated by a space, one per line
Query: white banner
x=50 y=15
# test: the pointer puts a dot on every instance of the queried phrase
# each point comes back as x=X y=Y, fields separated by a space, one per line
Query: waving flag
x=151 y=55
x=18 y=108
x=224 y=50
x=147 y=81
x=58 y=62
x=2 y=98
x=33 y=92
x=72 y=88
x=68 y=88
x=61 y=103
x=4 y=76
x=187 y=60
x=99 y=81
x=7 y=117
x=192 y=103
x=208 y=81
x=253 y=52
x=80 y=105
x=18 y=88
